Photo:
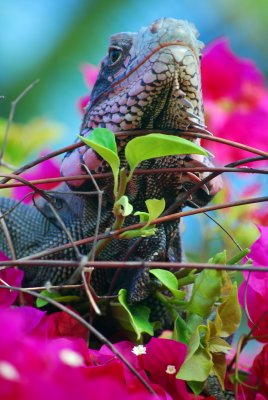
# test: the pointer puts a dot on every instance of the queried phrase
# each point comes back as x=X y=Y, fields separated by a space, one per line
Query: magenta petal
x=83 y=102
x=255 y=293
x=3 y=256
x=90 y=73
x=13 y=277
x=220 y=64
x=160 y=354
x=259 y=249
x=47 y=169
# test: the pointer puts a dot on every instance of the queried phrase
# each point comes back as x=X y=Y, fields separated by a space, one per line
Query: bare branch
x=8 y=236
x=130 y=264
x=11 y=116
x=171 y=217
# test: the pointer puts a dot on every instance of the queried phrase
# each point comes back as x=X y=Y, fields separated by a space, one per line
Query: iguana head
x=149 y=79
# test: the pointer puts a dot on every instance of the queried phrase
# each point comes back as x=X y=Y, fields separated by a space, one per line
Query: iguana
x=148 y=80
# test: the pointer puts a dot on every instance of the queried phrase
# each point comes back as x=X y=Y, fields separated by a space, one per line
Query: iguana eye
x=114 y=54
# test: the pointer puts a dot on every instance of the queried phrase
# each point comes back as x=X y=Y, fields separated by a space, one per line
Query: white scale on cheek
x=135 y=90
x=116 y=118
x=179 y=53
x=191 y=69
x=160 y=67
x=149 y=77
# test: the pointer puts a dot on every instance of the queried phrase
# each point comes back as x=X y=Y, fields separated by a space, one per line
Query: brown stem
x=130 y=264
x=166 y=218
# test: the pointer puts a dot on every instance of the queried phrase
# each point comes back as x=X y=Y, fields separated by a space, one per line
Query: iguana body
x=148 y=80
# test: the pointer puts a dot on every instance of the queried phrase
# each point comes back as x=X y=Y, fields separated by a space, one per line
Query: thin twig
x=139 y=133
x=16 y=204
x=246 y=170
x=7 y=236
x=219 y=225
x=171 y=217
x=88 y=291
x=130 y=264
x=98 y=220
x=39 y=160
x=11 y=116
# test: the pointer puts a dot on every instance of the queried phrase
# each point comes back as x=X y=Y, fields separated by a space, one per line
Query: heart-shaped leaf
x=169 y=281
x=138 y=315
x=158 y=145
x=102 y=141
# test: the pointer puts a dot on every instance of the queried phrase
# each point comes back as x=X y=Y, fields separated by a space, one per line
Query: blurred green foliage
x=49 y=40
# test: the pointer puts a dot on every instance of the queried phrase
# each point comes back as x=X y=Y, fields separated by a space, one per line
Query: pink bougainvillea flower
x=163 y=360
x=33 y=368
x=257 y=289
x=90 y=73
x=160 y=360
x=259 y=374
x=12 y=277
x=260 y=216
x=236 y=101
x=61 y=324
x=47 y=169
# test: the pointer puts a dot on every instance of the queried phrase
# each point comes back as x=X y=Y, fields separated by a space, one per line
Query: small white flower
x=171 y=369
x=71 y=358
x=139 y=350
x=8 y=371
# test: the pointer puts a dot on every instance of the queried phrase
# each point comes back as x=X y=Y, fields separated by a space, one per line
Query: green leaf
x=55 y=296
x=142 y=232
x=144 y=216
x=206 y=290
x=198 y=362
x=158 y=145
x=196 y=387
x=138 y=315
x=182 y=331
x=219 y=258
x=219 y=345
x=125 y=205
x=219 y=367
x=155 y=208
x=169 y=281
x=230 y=313
x=102 y=140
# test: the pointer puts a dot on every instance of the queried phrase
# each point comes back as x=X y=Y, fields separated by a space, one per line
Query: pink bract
x=63 y=369
x=236 y=101
x=161 y=354
x=257 y=289
x=47 y=169
x=11 y=276
x=90 y=73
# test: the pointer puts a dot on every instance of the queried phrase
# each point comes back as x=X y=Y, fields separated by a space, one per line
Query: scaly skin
x=148 y=80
